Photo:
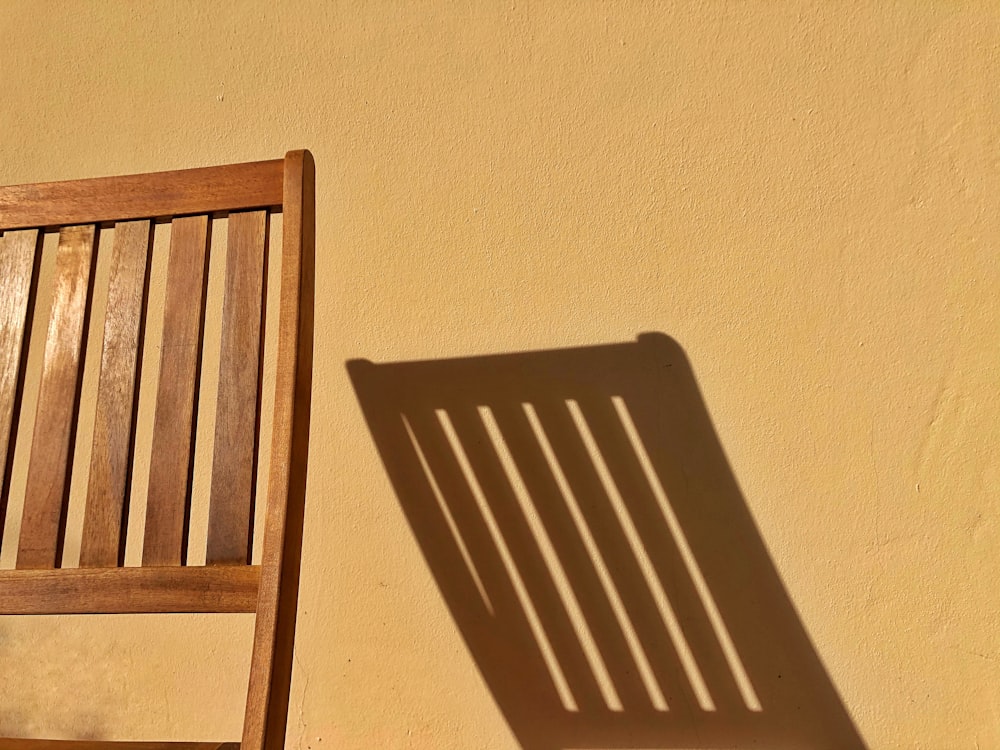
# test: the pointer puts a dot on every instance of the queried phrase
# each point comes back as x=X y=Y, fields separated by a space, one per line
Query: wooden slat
x=236 y=418
x=50 y=464
x=271 y=666
x=21 y=744
x=18 y=254
x=165 y=538
x=76 y=591
x=147 y=196
x=111 y=459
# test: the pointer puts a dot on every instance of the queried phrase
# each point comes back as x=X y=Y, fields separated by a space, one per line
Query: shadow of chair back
x=588 y=536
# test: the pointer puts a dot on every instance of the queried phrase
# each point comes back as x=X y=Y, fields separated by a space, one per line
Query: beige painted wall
x=803 y=195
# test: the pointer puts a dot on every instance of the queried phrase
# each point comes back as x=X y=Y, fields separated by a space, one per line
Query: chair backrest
x=246 y=195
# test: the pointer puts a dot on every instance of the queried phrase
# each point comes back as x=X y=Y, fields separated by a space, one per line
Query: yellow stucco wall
x=803 y=195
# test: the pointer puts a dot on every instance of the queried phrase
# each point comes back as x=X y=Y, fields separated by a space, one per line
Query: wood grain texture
x=147 y=196
x=271 y=666
x=18 y=260
x=21 y=744
x=163 y=583
x=168 y=496
x=111 y=457
x=50 y=464
x=237 y=417
x=129 y=590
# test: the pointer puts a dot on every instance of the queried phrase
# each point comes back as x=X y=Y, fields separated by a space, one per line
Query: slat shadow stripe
x=527 y=557
x=606 y=531
x=669 y=569
x=555 y=516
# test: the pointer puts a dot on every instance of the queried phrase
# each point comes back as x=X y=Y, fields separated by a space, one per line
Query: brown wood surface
x=148 y=196
x=18 y=253
x=167 y=502
x=67 y=591
x=270 y=673
x=236 y=418
x=50 y=464
x=164 y=584
x=111 y=457
x=21 y=744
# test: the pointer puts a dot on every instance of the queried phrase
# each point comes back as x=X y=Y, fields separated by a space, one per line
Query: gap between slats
x=165 y=537
x=234 y=464
x=21 y=450
x=148 y=377
x=50 y=463
x=211 y=373
x=19 y=260
x=110 y=472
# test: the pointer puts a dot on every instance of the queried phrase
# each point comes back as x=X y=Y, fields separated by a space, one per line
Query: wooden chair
x=245 y=194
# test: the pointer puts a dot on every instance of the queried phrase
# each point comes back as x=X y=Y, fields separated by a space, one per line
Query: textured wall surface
x=803 y=195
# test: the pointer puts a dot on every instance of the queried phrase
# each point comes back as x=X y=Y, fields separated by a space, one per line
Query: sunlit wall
x=803 y=196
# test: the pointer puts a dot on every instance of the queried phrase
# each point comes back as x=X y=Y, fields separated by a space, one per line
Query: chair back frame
x=247 y=194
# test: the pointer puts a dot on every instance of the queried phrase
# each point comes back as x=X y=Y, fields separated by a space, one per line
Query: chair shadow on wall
x=586 y=532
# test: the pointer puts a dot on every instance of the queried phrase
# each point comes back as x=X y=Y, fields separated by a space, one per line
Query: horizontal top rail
x=156 y=195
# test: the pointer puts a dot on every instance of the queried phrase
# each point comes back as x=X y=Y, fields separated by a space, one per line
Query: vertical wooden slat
x=111 y=458
x=50 y=464
x=236 y=419
x=165 y=538
x=18 y=253
x=271 y=665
